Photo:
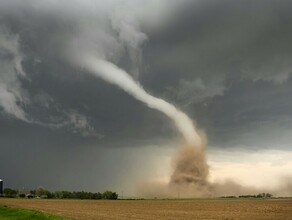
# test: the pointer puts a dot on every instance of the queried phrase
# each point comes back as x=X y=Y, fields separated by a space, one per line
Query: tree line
x=44 y=193
x=260 y=195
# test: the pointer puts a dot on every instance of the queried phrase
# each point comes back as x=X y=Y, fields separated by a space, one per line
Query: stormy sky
x=227 y=64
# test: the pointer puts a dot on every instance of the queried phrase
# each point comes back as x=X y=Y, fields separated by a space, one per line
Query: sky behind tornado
x=226 y=64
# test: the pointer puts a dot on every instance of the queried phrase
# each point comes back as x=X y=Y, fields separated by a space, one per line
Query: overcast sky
x=227 y=64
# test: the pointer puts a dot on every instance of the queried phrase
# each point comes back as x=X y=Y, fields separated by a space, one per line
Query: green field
x=7 y=213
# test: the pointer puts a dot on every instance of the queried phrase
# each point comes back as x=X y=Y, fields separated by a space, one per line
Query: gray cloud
x=238 y=39
x=11 y=94
x=226 y=63
x=80 y=124
x=196 y=91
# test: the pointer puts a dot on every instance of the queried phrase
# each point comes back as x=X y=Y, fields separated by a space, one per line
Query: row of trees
x=85 y=195
x=43 y=193
x=11 y=193
x=260 y=195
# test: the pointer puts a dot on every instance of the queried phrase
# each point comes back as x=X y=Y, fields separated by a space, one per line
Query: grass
x=7 y=213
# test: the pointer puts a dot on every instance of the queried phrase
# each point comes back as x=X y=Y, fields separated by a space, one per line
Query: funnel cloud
x=114 y=75
x=190 y=166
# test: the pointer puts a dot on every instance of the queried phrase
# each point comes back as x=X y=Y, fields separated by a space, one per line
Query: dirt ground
x=220 y=209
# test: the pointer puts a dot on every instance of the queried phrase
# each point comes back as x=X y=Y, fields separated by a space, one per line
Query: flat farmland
x=209 y=209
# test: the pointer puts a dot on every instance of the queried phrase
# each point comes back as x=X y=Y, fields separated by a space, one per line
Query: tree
x=9 y=193
x=42 y=192
x=109 y=195
x=264 y=195
x=268 y=195
x=21 y=195
x=97 y=196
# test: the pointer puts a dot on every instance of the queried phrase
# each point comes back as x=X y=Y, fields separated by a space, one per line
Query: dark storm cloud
x=250 y=114
x=226 y=63
x=44 y=37
x=72 y=116
x=208 y=49
x=238 y=39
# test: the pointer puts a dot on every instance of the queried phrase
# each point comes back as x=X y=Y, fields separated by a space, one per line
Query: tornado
x=190 y=169
x=114 y=75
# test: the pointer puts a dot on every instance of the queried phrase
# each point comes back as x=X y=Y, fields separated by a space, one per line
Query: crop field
x=201 y=209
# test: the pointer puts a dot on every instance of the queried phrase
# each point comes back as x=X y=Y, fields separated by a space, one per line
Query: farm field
x=201 y=209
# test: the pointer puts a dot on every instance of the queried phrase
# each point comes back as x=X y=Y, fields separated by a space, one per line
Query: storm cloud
x=225 y=63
